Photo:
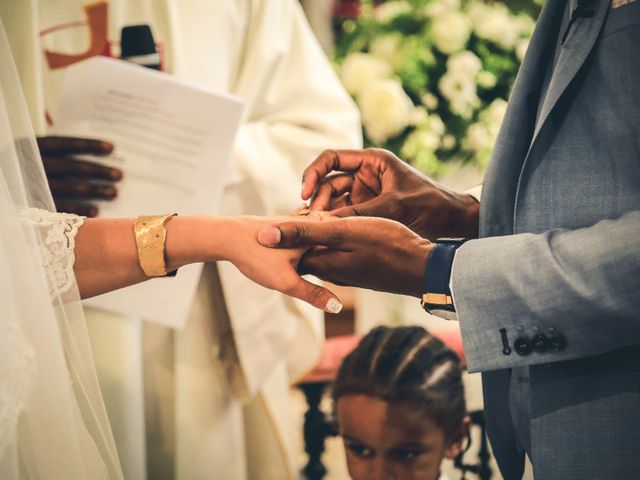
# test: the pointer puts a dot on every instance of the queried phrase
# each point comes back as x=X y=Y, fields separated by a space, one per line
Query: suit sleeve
x=583 y=284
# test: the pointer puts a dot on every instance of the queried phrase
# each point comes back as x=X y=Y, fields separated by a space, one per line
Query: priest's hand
x=376 y=183
x=73 y=182
x=373 y=253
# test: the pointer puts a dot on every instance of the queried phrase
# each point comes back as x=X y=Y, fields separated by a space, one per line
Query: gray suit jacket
x=559 y=253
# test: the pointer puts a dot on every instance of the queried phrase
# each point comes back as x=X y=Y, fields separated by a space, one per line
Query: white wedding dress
x=211 y=401
x=53 y=423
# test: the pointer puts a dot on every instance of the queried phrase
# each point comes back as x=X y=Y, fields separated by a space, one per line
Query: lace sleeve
x=57 y=232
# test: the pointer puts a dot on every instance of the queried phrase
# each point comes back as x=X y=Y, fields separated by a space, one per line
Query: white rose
x=391 y=9
x=481 y=136
x=486 y=79
x=419 y=147
x=493 y=115
x=448 y=142
x=436 y=8
x=464 y=108
x=478 y=137
x=419 y=116
x=449 y=85
x=430 y=140
x=509 y=36
x=526 y=24
x=358 y=69
x=460 y=91
x=464 y=63
x=477 y=12
x=495 y=23
x=421 y=140
x=436 y=125
x=521 y=49
x=480 y=141
x=386 y=110
x=429 y=100
x=388 y=48
x=450 y=32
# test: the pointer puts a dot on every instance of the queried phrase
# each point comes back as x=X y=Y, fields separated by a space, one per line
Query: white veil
x=53 y=424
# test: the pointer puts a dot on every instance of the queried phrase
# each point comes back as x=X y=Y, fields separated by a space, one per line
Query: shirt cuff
x=475 y=192
x=453 y=315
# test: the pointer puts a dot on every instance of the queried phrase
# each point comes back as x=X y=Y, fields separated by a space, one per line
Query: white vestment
x=215 y=395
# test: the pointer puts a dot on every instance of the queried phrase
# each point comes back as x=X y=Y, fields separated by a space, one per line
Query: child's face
x=385 y=441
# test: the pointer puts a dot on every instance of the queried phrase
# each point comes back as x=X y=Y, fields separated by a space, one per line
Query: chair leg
x=483 y=454
x=482 y=468
x=315 y=430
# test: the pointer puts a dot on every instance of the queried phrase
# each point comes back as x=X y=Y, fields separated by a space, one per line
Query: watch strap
x=436 y=294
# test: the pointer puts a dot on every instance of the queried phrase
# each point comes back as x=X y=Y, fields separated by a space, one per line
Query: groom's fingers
x=327 y=161
x=365 y=209
x=324 y=263
x=329 y=189
x=315 y=295
x=328 y=233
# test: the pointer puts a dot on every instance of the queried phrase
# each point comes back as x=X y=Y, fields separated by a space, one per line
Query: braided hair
x=409 y=365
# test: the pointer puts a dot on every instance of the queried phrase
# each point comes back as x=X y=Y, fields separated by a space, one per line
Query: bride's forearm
x=107 y=256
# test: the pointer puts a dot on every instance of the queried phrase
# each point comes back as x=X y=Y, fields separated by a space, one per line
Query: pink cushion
x=453 y=340
x=334 y=350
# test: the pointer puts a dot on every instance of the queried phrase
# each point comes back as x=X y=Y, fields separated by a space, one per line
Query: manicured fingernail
x=333 y=306
x=269 y=236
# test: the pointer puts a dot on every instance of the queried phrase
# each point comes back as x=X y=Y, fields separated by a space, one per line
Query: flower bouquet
x=432 y=77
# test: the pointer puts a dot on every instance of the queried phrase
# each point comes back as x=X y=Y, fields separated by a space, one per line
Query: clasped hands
x=372 y=219
x=379 y=218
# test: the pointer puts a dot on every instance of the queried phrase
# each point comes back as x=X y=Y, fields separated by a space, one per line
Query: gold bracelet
x=150 y=236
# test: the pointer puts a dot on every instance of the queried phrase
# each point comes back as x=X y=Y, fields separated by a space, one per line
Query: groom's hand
x=372 y=253
x=376 y=183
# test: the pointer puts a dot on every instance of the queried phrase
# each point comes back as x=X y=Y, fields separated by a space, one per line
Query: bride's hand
x=273 y=268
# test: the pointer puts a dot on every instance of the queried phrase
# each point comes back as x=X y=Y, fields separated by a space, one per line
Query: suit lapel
x=573 y=54
x=512 y=144
x=582 y=37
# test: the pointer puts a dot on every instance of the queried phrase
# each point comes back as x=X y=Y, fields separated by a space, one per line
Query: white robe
x=214 y=395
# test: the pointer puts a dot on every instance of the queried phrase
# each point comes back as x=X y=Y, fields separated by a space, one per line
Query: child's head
x=399 y=402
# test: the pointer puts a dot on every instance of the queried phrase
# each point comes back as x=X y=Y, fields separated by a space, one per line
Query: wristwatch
x=436 y=294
